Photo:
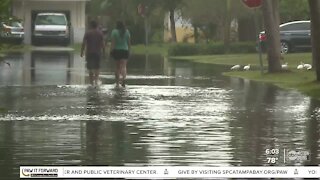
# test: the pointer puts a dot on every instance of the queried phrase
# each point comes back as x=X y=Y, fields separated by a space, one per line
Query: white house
x=184 y=29
x=74 y=9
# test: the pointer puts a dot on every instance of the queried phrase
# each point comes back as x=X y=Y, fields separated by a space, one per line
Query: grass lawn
x=4 y=48
x=137 y=49
x=151 y=49
x=243 y=59
x=304 y=81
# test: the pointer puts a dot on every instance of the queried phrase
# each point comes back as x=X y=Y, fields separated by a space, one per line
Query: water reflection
x=171 y=113
x=271 y=118
x=42 y=68
x=7 y=157
x=313 y=133
x=93 y=101
x=92 y=142
x=253 y=124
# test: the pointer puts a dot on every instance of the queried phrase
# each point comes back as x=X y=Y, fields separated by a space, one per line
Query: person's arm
x=129 y=42
x=83 y=47
x=113 y=43
x=112 y=46
x=103 y=45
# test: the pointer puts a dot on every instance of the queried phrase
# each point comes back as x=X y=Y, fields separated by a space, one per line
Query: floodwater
x=171 y=113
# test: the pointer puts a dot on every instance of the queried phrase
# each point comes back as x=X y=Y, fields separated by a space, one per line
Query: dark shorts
x=93 y=61
x=119 y=54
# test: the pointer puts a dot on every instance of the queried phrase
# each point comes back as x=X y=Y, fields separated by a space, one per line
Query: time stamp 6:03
x=273 y=155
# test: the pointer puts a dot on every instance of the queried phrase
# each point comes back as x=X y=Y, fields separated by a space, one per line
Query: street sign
x=252 y=3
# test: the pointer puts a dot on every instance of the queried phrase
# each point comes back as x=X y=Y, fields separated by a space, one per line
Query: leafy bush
x=243 y=47
x=183 y=49
x=211 y=48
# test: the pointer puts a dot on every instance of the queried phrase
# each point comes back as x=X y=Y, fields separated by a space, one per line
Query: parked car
x=11 y=30
x=51 y=27
x=293 y=36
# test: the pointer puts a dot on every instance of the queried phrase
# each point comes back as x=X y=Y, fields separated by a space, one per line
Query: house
x=74 y=10
x=184 y=29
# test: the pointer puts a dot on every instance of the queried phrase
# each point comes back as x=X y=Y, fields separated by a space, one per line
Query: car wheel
x=285 y=48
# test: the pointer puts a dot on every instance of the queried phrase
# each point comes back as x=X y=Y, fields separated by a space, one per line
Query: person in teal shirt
x=120 y=48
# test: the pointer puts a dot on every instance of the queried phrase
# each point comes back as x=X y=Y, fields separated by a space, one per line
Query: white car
x=11 y=30
x=51 y=27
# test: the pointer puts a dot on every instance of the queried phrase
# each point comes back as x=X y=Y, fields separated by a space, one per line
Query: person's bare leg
x=91 y=77
x=123 y=71
x=117 y=73
x=96 y=76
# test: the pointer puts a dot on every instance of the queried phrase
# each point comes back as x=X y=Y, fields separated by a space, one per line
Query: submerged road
x=171 y=113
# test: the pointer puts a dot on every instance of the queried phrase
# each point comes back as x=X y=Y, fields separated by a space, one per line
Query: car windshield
x=15 y=24
x=51 y=20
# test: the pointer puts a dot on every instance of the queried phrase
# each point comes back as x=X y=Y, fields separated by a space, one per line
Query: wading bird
x=284 y=66
x=247 y=67
x=300 y=67
x=235 y=67
x=307 y=66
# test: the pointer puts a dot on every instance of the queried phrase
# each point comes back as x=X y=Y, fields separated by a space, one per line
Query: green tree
x=172 y=6
x=292 y=10
x=5 y=7
x=126 y=10
x=206 y=15
x=214 y=17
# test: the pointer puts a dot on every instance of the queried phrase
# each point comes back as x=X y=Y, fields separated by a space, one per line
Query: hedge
x=211 y=48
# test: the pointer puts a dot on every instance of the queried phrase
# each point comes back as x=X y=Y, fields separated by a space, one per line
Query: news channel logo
x=39 y=172
x=295 y=155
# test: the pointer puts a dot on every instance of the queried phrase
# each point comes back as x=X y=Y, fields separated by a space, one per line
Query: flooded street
x=171 y=113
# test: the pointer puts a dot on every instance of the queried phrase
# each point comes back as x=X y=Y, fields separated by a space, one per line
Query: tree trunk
x=315 y=34
x=275 y=7
x=173 y=26
x=273 y=35
x=196 y=33
x=227 y=27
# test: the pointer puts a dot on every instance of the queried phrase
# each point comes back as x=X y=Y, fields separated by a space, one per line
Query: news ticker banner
x=169 y=172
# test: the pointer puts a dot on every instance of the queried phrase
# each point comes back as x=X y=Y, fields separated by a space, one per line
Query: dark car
x=293 y=36
x=11 y=30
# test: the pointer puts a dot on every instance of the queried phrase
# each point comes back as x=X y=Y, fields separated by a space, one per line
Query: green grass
x=76 y=47
x=244 y=59
x=137 y=49
x=151 y=49
x=4 y=48
x=3 y=110
x=303 y=81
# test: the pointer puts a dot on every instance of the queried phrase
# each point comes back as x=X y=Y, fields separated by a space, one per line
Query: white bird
x=300 y=67
x=284 y=66
x=235 y=67
x=6 y=63
x=247 y=67
x=307 y=66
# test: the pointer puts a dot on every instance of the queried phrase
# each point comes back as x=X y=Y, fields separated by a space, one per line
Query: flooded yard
x=171 y=113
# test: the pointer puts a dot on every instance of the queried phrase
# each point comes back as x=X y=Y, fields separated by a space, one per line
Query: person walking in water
x=94 y=45
x=120 y=48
